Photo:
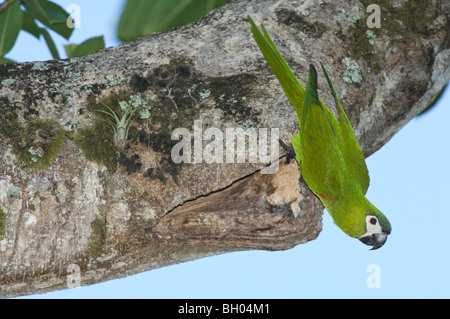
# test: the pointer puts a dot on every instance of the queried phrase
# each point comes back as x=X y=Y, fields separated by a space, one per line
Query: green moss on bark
x=97 y=144
x=2 y=224
x=97 y=239
x=36 y=142
x=97 y=140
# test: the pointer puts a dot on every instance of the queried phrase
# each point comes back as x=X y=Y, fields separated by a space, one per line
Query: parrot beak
x=376 y=240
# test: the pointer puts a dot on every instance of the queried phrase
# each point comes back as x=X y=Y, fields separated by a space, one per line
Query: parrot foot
x=290 y=151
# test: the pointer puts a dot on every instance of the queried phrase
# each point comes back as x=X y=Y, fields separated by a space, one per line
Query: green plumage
x=330 y=158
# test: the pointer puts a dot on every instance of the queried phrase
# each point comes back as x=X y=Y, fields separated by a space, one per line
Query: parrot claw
x=290 y=151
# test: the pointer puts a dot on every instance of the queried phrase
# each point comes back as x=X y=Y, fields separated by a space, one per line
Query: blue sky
x=410 y=183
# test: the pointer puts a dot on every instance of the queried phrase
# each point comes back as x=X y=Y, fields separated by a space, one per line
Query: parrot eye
x=373 y=221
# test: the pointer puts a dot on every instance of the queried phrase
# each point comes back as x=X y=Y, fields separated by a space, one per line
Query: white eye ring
x=372 y=225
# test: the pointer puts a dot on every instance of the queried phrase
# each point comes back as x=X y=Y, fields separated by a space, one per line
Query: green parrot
x=330 y=158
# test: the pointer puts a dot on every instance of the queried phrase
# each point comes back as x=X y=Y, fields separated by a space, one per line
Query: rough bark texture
x=152 y=212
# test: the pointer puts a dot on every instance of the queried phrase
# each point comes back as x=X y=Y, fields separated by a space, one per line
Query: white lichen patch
x=204 y=94
x=13 y=191
x=114 y=79
x=371 y=36
x=351 y=17
x=7 y=82
x=352 y=73
x=40 y=66
x=30 y=219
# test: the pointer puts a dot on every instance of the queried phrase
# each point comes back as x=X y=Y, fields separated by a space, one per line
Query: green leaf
x=55 y=14
x=30 y=26
x=10 y=25
x=69 y=49
x=5 y=60
x=46 y=11
x=141 y=17
x=34 y=7
x=55 y=17
x=87 y=47
x=51 y=45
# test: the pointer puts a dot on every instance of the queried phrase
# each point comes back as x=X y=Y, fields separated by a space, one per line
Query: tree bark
x=151 y=212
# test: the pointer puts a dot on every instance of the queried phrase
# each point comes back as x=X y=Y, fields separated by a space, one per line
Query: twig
x=171 y=86
x=5 y=5
x=189 y=92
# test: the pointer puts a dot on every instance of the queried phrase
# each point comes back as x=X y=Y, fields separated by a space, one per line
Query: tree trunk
x=75 y=221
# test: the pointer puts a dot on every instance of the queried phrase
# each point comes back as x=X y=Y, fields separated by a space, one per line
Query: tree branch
x=151 y=212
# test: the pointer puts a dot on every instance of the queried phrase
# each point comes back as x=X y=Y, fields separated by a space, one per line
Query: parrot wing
x=354 y=158
x=291 y=86
x=321 y=161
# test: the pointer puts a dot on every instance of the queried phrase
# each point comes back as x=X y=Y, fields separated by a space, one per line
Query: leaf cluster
x=139 y=18
x=142 y=17
x=38 y=17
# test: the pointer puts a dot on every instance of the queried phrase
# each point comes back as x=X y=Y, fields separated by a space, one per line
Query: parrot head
x=359 y=218
x=377 y=231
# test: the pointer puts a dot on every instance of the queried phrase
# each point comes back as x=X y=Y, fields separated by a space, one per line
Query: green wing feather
x=320 y=156
x=334 y=143
x=352 y=152
x=291 y=86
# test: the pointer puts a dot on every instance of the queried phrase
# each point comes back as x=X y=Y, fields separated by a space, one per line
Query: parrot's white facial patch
x=372 y=225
